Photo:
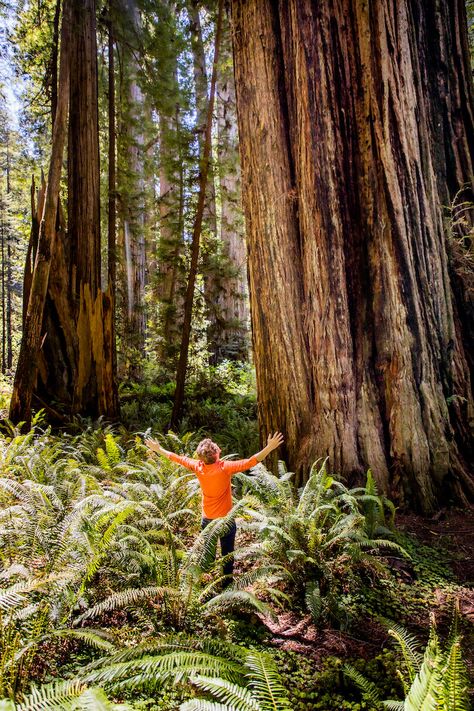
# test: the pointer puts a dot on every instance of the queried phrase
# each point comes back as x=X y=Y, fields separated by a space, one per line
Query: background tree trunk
x=210 y=248
x=358 y=347
x=112 y=196
x=189 y=300
x=3 y=285
x=132 y=198
x=171 y=242
x=6 y=239
x=231 y=339
x=9 y=279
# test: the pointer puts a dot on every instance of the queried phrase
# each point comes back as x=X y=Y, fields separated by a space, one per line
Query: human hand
x=154 y=445
x=274 y=440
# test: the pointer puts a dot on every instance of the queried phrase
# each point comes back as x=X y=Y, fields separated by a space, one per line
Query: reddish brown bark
x=67 y=362
x=359 y=345
x=171 y=283
x=230 y=334
x=132 y=197
x=83 y=154
x=26 y=371
x=112 y=184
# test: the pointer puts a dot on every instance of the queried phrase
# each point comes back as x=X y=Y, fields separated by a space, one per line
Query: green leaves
x=265 y=682
x=434 y=681
x=64 y=696
x=265 y=691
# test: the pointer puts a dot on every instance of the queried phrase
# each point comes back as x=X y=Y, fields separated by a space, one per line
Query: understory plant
x=317 y=535
x=186 y=590
x=64 y=696
x=433 y=680
x=236 y=677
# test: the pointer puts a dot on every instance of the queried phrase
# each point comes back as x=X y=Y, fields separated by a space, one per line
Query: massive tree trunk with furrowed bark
x=356 y=128
x=66 y=357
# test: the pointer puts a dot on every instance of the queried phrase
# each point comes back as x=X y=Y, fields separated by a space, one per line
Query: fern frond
x=237 y=600
x=378 y=543
x=393 y=705
x=265 y=682
x=98 y=639
x=58 y=696
x=114 y=453
x=409 y=646
x=368 y=688
x=370 y=485
x=231 y=695
x=195 y=705
x=427 y=687
x=313 y=600
x=455 y=680
x=126 y=598
x=151 y=671
x=103 y=459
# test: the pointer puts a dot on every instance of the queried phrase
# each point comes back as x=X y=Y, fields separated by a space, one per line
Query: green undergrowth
x=406 y=593
x=110 y=593
x=220 y=402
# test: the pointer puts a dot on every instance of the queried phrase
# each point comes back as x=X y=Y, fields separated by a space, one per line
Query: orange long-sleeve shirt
x=215 y=481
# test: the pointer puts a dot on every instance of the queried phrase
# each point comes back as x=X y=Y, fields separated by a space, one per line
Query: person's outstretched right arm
x=192 y=464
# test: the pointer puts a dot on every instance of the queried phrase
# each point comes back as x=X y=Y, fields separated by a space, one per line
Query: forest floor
x=52 y=477
x=451 y=533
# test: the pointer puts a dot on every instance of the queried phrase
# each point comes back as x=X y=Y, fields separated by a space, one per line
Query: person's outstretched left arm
x=192 y=464
x=273 y=442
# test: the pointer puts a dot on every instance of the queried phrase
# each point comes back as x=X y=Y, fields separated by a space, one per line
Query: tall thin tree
x=204 y=171
x=132 y=192
x=112 y=186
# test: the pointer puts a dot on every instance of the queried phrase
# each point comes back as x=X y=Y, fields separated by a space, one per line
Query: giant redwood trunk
x=42 y=247
x=356 y=127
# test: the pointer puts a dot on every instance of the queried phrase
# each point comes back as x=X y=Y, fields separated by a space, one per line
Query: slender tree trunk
x=112 y=200
x=25 y=376
x=184 y=351
x=132 y=202
x=211 y=247
x=3 y=287
x=9 y=272
x=231 y=338
x=201 y=86
x=9 y=305
x=54 y=61
x=171 y=243
x=359 y=346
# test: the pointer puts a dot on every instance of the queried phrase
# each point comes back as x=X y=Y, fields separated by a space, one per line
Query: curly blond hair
x=208 y=451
